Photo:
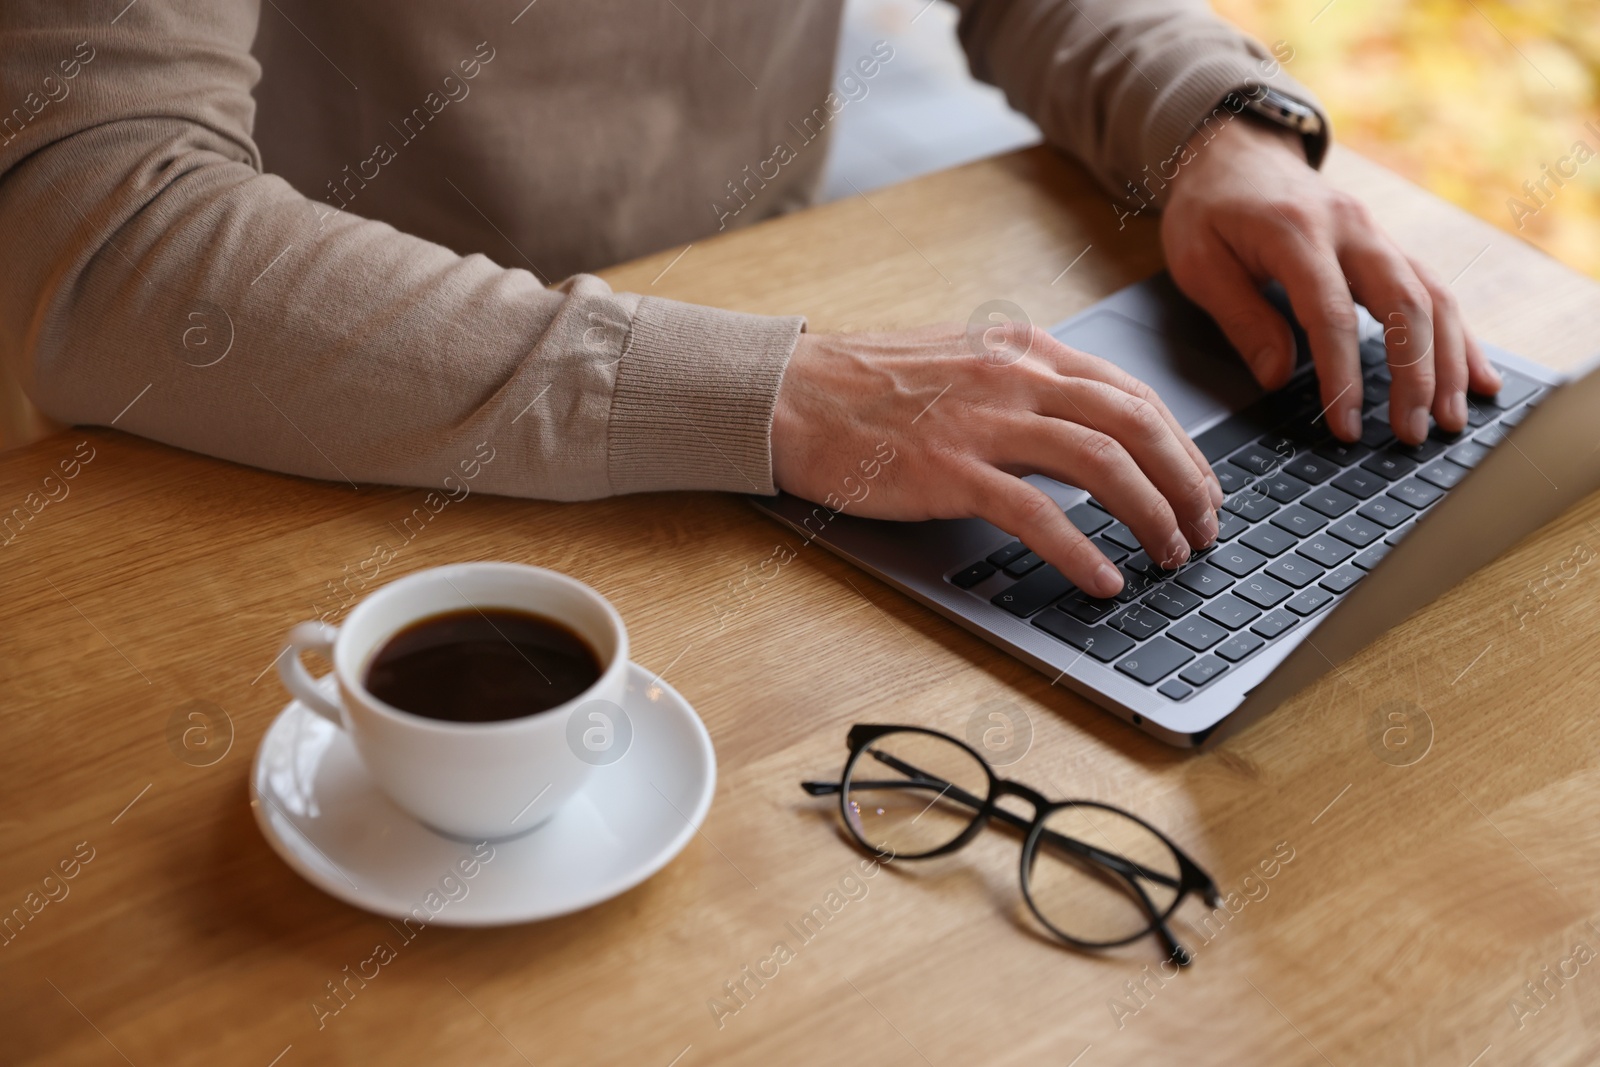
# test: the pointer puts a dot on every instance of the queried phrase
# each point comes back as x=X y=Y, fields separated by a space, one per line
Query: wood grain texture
x=1418 y=902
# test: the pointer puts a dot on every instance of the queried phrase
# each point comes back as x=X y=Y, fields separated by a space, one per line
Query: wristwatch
x=1285 y=112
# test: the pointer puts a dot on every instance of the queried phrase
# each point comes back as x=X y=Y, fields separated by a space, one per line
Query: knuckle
x=1142 y=418
x=1099 y=452
x=1349 y=209
x=1029 y=507
x=1339 y=314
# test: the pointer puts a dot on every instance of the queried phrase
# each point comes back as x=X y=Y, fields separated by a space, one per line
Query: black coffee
x=482 y=666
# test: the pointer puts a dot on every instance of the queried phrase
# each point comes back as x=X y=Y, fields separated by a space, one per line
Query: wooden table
x=1418 y=901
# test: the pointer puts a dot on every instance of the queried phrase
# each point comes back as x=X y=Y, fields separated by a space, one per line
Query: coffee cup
x=472 y=780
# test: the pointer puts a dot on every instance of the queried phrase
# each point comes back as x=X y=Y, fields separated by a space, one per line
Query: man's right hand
x=967 y=427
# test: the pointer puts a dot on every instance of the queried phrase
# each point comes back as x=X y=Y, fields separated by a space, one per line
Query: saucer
x=321 y=812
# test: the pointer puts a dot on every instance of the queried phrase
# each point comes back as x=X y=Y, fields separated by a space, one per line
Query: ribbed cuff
x=1197 y=77
x=694 y=397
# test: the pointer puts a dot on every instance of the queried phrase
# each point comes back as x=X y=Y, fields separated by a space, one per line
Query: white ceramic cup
x=477 y=781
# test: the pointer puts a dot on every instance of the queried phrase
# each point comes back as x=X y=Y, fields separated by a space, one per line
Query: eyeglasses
x=1095 y=875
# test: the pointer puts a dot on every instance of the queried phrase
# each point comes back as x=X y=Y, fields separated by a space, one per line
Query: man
x=341 y=221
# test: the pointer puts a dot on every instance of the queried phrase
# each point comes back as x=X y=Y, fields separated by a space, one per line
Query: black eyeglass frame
x=1191 y=878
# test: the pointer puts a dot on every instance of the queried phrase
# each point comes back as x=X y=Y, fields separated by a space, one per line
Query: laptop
x=1323 y=547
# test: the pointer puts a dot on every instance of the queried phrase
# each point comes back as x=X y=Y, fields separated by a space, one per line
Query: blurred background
x=1468 y=98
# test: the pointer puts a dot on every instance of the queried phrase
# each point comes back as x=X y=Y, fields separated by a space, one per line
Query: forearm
x=1121 y=84
x=134 y=228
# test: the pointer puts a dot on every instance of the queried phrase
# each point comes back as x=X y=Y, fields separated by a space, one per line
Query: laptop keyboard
x=1305 y=517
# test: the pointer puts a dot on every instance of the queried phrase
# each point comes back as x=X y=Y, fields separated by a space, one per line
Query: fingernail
x=1458 y=408
x=1108 y=580
x=1352 y=423
x=1262 y=361
x=1418 y=423
x=1216 y=491
x=1177 y=553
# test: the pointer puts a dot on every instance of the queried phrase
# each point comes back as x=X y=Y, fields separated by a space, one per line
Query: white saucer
x=323 y=815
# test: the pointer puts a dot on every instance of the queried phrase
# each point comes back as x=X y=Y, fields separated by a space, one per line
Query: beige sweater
x=326 y=237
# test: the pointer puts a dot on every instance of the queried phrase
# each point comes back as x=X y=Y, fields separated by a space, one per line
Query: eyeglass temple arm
x=1122 y=866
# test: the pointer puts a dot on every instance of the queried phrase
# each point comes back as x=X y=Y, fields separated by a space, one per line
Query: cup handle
x=312 y=637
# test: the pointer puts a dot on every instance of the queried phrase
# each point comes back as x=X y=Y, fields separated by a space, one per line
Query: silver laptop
x=1324 y=545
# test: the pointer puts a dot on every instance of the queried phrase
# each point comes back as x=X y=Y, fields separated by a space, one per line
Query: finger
x=1483 y=377
x=1077 y=455
x=1449 y=352
x=1148 y=437
x=1384 y=281
x=1305 y=264
x=1212 y=276
x=1026 y=513
x=1069 y=362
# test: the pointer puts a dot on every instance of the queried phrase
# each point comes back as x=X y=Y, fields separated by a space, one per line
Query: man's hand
x=965 y=428
x=1245 y=209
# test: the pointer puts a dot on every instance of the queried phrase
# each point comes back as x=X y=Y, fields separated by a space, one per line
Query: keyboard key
x=1042 y=587
x=1239 y=646
x=1389 y=466
x=1140 y=622
x=1386 y=512
x=1514 y=389
x=1236 y=560
x=1204 y=579
x=1199 y=634
x=1375 y=433
x=1256 y=459
x=1299 y=520
x=1136 y=584
x=1329 y=501
x=1198 y=674
x=972 y=575
x=1000 y=557
x=1468 y=454
x=1294 y=571
x=1274 y=624
x=1119 y=534
x=1396 y=537
x=1230 y=611
x=1141 y=563
x=1372 y=556
x=1101 y=642
x=1023 y=564
x=1514 y=418
x=1356 y=531
x=1418 y=453
x=1110 y=550
x=1230 y=526
x=1262 y=591
x=1089 y=519
x=1325 y=551
x=1173 y=689
x=1342 y=579
x=1284 y=487
x=1155 y=661
x=1173 y=601
x=1417 y=494
x=1478 y=413
x=1252 y=504
x=1360 y=483
x=1492 y=436
x=1232 y=478
x=1442 y=473
x=1343 y=454
x=1269 y=540
x=1314 y=469
x=1281 y=445
x=1085 y=608
x=1309 y=601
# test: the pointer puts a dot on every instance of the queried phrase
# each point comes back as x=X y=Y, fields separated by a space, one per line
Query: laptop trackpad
x=1187 y=362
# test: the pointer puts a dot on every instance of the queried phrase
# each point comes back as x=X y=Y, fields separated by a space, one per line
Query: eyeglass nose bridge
x=1005 y=787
